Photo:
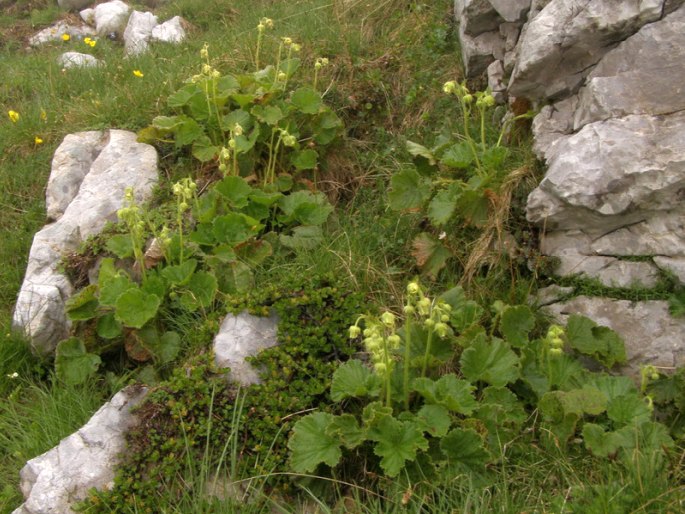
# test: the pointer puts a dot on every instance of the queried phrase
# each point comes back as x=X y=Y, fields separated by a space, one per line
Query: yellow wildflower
x=43 y=115
x=38 y=140
x=14 y=116
x=138 y=73
x=89 y=41
x=66 y=37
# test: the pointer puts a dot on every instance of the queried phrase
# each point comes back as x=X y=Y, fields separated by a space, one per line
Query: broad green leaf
x=269 y=114
x=443 y=205
x=227 y=85
x=179 y=274
x=464 y=449
x=120 y=245
x=108 y=327
x=653 y=436
x=235 y=228
x=305 y=160
x=628 y=409
x=187 y=132
x=408 y=190
x=467 y=315
x=430 y=254
x=204 y=150
x=168 y=123
x=434 y=419
x=199 y=292
x=306 y=100
x=154 y=284
x=73 y=364
x=455 y=297
x=290 y=66
x=612 y=387
x=310 y=445
x=493 y=157
x=449 y=391
x=516 y=323
x=83 y=305
x=500 y=408
x=302 y=238
x=373 y=413
x=113 y=288
x=254 y=252
x=490 y=361
x=396 y=443
x=167 y=348
x=474 y=207
x=238 y=117
x=135 y=307
x=305 y=207
x=555 y=405
x=600 y=442
x=181 y=97
x=353 y=379
x=601 y=343
x=236 y=190
x=235 y=277
x=458 y=156
x=345 y=428
x=418 y=150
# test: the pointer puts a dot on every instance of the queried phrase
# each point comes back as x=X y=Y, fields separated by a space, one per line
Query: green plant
x=417 y=422
x=454 y=180
x=251 y=124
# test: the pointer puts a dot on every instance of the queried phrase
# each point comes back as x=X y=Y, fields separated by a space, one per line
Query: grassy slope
x=389 y=61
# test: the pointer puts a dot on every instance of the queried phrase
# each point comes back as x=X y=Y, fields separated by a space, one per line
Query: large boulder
x=111 y=17
x=90 y=172
x=53 y=482
x=138 y=32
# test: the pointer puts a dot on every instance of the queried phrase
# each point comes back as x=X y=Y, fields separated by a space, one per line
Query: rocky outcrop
x=57 y=31
x=53 y=482
x=242 y=336
x=90 y=171
x=607 y=78
x=138 y=32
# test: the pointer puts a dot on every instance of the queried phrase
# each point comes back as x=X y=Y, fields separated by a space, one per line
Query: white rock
x=479 y=52
x=476 y=16
x=171 y=31
x=559 y=46
x=73 y=5
x=88 y=16
x=496 y=84
x=138 y=32
x=240 y=337
x=52 y=482
x=56 y=31
x=550 y=294
x=111 y=17
x=117 y=161
x=77 y=60
x=650 y=334
x=511 y=10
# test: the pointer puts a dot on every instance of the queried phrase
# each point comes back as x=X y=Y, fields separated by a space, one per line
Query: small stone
x=111 y=17
x=171 y=31
x=240 y=337
x=77 y=60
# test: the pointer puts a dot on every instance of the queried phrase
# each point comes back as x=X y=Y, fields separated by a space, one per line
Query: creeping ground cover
x=322 y=161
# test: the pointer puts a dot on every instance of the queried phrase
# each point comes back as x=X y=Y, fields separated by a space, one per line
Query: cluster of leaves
x=457 y=180
x=476 y=396
x=251 y=124
x=196 y=409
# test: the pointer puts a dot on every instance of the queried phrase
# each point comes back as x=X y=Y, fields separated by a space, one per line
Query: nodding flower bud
x=231 y=143
x=424 y=306
x=442 y=330
x=296 y=47
x=266 y=22
x=555 y=352
x=413 y=288
x=238 y=129
x=489 y=100
x=409 y=310
x=355 y=332
x=289 y=140
x=204 y=52
x=468 y=98
x=317 y=65
x=429 y=323
x=287 y=41
x=225 y=154
x=260 y=27
x=282 y=76
x=206 y=69
x=394 y=341
x=183 y=206
x=449 y=87
x=388 y=319
x=380 y=367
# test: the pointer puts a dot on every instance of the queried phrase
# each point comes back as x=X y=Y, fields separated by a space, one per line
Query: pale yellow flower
x=138 y=73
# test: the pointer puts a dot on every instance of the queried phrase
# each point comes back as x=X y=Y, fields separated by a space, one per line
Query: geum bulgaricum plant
x=443 y=393
x=252 y=124
x=457 y=178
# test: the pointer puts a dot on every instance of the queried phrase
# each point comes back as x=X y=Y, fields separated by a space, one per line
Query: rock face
x=138 y=32
x=52 y=482
x=607 y=76
x=90 y=171
x=73 y=5
x=240 y=337
x=111 y=17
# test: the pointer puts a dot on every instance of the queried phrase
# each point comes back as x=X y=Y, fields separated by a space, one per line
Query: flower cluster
x=554 y=341
x=484 y=99
x=434 y=314
x=184 y=190
x=380 y=341
x=90 y=42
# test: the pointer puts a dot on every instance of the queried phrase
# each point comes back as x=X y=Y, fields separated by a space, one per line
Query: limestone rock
x=476 y=16
x=73 y=5
x=240 y=337
x=138 y=32
x=56 y=31
x=496 y=81
x=609 y=173
x=511 y=10
x=650 y=334
x=643 y=75
x=117 y=161
x=171 y=31
x=559 y=46
x=480 y=51
x=88 y=16
x=52 y=482
x=111 y=17
x=550 y=294
x=77 y=60
x=552 y=122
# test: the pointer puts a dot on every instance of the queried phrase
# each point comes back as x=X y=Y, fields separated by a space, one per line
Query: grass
x=389 y=59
